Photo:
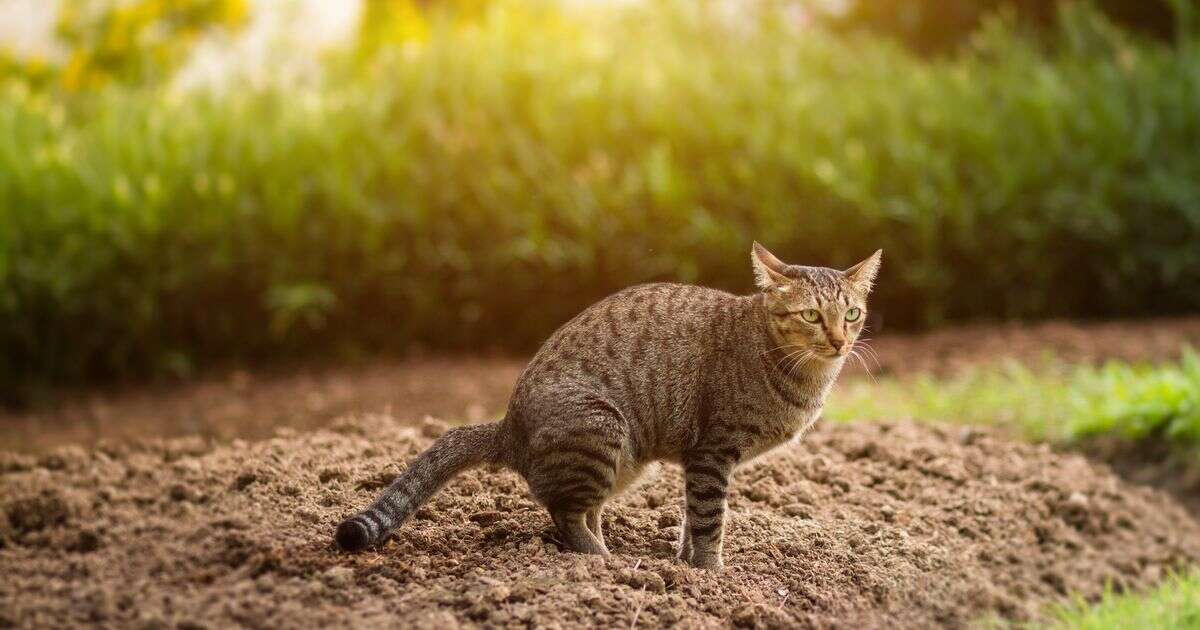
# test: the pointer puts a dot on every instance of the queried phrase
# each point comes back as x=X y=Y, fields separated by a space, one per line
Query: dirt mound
x=866 y=525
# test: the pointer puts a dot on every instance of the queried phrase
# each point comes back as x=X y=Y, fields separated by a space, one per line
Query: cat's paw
x=708 y=561
x=684 y=553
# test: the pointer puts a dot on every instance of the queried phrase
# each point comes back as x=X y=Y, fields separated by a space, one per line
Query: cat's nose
x=837 y=343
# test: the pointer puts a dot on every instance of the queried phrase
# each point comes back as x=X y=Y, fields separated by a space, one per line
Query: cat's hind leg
x=572 y=526
x=575 y=465
x=594 y=523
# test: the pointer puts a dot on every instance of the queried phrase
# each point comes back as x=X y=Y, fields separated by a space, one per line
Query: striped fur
x=660 y=372
x=454 y=452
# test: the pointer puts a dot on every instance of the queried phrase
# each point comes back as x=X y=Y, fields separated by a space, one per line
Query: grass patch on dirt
x=1056 y=403
x=1173 y=604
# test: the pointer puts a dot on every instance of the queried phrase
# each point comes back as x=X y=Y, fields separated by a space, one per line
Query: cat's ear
x=768 y=270
x=862 y=275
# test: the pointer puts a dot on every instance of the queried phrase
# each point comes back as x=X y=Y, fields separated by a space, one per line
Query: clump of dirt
x=863 y=525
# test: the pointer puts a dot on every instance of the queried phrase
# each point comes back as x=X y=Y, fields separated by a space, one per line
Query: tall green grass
x=479 y=188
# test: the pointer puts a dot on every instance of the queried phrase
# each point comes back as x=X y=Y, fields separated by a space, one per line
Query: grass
x=1054 y=403
x=430 y=193
x=1173 y=604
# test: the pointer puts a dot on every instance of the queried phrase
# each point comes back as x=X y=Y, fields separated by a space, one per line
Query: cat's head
x=816 y=312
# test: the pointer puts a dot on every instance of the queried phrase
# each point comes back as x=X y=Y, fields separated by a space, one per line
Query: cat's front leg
x=707 y=482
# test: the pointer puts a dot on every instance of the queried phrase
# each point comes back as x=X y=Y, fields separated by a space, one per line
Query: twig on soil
x=642 y=604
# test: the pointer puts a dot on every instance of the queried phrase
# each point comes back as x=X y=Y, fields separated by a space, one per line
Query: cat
x=656 y=372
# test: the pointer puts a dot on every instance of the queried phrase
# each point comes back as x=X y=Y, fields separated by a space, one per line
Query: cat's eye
x=853 y=314
x=810 y=315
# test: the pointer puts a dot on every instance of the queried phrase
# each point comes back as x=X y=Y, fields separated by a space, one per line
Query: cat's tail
x=457 y=450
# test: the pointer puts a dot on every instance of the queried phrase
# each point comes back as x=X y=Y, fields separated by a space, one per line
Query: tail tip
x=352 y=536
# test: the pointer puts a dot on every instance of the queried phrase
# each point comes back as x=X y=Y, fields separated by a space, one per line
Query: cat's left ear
x=862 y=275
x=769 y=271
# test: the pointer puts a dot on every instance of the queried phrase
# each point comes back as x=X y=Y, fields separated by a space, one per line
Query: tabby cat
x=666 y=372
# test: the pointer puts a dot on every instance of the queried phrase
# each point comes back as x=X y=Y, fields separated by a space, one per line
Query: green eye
x=810 y=315
x=853 y=314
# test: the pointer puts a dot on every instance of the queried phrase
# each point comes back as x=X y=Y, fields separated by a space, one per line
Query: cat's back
x=656 y=327
x=647 y=313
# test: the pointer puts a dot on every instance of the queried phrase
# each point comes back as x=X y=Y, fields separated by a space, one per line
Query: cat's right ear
x=768 y=270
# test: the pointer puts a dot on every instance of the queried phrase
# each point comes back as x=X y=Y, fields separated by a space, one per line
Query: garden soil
x=871 y=525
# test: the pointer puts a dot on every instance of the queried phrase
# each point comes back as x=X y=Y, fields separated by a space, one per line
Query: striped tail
x=454 y=452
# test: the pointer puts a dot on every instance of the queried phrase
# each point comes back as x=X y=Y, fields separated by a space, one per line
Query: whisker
x=861 y=342
x=854 y=353
x=805 y=358
x=800 y=360
x=786 y=345
x=870 y=352
x=788 y=356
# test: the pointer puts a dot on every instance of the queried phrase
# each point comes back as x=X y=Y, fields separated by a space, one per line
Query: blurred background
x=189 y=184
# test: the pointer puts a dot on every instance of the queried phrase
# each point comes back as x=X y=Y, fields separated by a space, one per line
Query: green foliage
x=479 y=187
x=1143 y=402
x=1174 y=604
x=1053 y=402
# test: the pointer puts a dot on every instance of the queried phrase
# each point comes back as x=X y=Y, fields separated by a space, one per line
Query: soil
x=872 y=525
x=1154 y=462
x=252 y=404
